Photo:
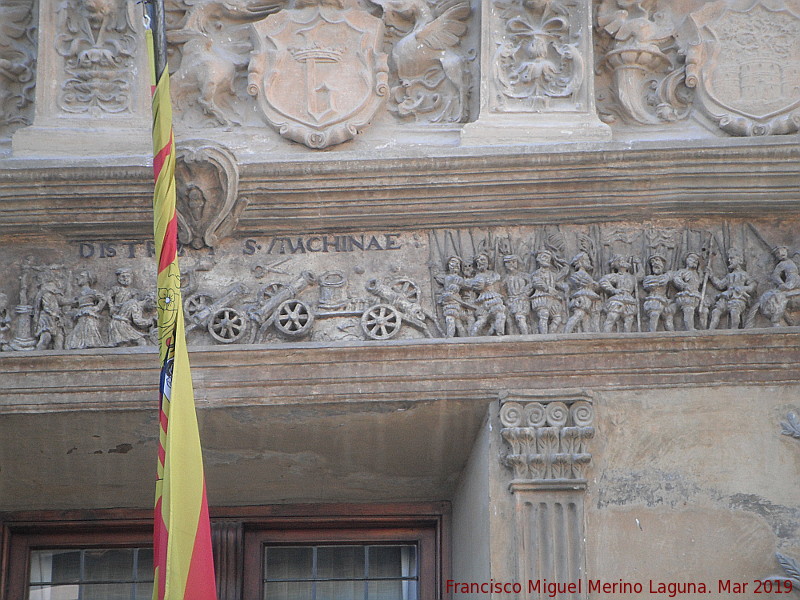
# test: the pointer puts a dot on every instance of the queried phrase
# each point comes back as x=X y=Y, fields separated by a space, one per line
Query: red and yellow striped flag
x=183 y=556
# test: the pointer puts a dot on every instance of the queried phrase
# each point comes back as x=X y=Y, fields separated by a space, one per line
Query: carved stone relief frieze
x=17 y=62
x=614 y=279
x=319 y=73
x=429 y=66
x=208 y=202
x=97 y=42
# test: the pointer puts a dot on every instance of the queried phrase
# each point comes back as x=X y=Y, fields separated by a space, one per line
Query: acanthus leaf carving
x=548 y=439
x=208 y=200
x=17 y=61
x=97 y=41
x=537 y=58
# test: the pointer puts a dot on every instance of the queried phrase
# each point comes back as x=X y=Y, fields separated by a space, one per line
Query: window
x=91 y=574
x=348 y=552
x=346 y=572
x=60 y=557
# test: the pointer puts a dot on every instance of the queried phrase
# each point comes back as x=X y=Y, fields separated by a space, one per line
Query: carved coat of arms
x=318 y=71
x=746 y=66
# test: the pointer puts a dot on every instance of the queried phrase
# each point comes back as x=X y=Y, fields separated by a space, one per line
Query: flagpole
x=183 y=560
x=158 y=25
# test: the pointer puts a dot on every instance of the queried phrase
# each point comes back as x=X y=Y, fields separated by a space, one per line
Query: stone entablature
x=380 y=285
x=319 y=72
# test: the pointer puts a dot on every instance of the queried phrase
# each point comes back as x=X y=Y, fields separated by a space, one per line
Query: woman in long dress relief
x=86 y=333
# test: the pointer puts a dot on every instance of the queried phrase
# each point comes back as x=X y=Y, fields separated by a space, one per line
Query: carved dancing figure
x=86 y=333
x=48 y=315
x=584 y=300
x=657 y=304
x=433 y=78
x=127 y=312
x=774 y=302
x=548 y=285
x=688 y=281
x=518 y=288
x=490 y=306
x=620 y=285
x=451 y=300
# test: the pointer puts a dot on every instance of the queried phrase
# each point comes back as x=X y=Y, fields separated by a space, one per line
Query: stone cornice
x=438 y=188
x=402 y=371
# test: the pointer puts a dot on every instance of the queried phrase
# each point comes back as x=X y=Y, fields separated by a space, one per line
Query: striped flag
x=183 y=556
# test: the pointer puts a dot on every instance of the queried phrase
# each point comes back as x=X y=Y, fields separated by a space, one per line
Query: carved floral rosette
x=207 y=193
x=548 y=439
x=745 y=67
x=319 y=73
x=98 y=43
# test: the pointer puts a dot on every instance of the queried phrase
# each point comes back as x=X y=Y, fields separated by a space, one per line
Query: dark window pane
x=47 y=592
x=55 y=566
x=297 y=590
x=144 y=591
x=106 y=591
x=392 y=561
x=340 y=590
x=342 y=562
x=145 y=564
x=108 y=565
x=288 y=562
x=392 y=590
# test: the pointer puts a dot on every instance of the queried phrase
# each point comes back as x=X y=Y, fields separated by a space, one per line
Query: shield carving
x=318 y=72
x=746 y=66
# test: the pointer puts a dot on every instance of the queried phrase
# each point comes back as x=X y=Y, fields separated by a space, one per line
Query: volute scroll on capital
x=548 y=439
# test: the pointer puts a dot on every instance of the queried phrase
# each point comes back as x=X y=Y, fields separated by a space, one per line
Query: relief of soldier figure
x=545 y=281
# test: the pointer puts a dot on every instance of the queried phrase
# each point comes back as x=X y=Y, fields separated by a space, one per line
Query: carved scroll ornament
x=207 y=193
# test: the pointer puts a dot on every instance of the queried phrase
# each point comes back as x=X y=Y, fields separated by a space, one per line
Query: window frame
x=25 y=532
x=425 y=524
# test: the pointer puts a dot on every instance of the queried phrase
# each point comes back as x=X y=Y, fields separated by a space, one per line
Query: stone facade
x=536 y=261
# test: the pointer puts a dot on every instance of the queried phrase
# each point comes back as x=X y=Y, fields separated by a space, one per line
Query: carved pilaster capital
x=548 y=441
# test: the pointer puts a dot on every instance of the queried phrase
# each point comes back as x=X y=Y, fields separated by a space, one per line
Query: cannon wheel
x=196 y=303
x=227 y=325
x=406 y=287
x=293 y=318
x=381 y=322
